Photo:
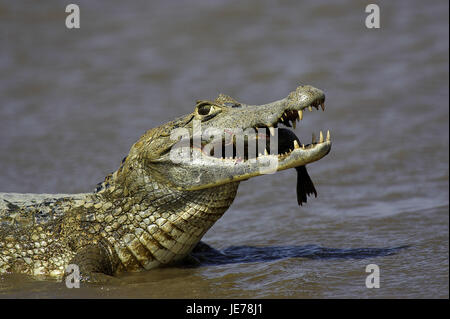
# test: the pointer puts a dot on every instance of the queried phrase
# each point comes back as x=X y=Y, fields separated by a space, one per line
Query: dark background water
x=72 y=102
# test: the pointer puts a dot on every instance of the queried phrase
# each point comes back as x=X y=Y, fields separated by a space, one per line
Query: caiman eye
x=205 y=109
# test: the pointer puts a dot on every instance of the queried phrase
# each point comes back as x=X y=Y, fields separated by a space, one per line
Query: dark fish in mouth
x=305 y=186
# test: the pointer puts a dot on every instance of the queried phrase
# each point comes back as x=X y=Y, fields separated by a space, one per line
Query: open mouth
x=239 y=147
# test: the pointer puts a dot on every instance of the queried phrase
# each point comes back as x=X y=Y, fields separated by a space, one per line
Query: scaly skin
x=152 y=211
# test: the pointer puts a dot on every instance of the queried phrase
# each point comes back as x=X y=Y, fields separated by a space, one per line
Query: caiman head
x=224 y=141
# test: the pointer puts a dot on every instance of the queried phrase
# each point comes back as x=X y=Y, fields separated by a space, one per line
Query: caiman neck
x=149 y=222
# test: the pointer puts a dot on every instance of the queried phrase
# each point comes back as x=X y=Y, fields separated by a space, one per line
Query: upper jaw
x=200 y=171
x=291 y=108
x=286 y=111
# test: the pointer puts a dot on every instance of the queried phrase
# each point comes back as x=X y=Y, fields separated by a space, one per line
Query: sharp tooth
x=300 y=115
x=303 y=146
x=310 y=108
x=272 y=130
x=294 y=124
x=265 y=152
x=313 y=138
x=322 y=105
x=328 y=135
x=281 y=118
x=321 y=137
x=296 y=144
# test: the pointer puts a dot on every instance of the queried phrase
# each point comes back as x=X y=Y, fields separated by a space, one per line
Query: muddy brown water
x=72 y=102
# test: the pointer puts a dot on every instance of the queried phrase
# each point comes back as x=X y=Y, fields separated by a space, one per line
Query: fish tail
x=305 y=186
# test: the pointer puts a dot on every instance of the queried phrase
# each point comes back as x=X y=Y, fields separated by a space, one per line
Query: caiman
x=156 y=207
